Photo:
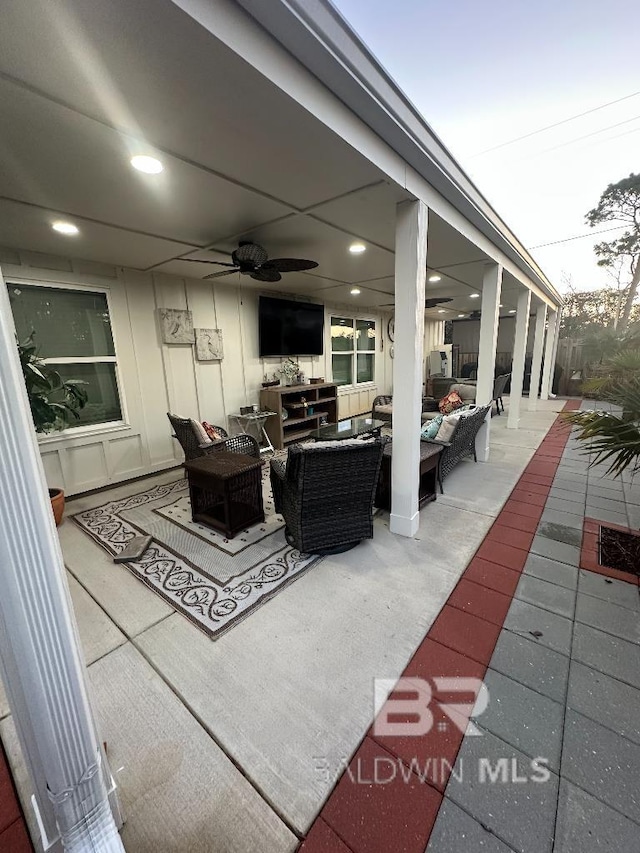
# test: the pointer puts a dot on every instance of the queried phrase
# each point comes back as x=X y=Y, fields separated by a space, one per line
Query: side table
x=226 y=491
x=253 y=424
x=429 y=475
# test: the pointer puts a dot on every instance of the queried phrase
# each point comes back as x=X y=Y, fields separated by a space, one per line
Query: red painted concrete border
x=363 y=816
x=14 y=837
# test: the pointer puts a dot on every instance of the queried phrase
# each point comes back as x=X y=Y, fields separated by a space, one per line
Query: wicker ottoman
x=226 y=491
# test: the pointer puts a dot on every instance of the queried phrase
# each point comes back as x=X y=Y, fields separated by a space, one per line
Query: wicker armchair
x=499 y=384
x=325 y=493
x=183 y=431
x=461 y=444
x=381 y=408
x=383 y=414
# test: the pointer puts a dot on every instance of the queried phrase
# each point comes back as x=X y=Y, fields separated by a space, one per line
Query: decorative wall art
x=209 y=345
x=176 y=326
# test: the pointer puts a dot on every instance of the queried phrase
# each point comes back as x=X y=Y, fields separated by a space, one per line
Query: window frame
x=366 y=318
x=81 y=430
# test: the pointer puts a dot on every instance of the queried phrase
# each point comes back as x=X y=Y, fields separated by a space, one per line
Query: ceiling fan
x=431 y=302
x=252 y=260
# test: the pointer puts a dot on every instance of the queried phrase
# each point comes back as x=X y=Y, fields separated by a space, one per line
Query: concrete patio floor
x=236 y=744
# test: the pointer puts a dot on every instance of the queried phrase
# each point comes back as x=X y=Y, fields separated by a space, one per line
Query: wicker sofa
x=462 y=443
x=325 y=492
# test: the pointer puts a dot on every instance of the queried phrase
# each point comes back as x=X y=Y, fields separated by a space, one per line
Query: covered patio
x=280 y=129
x=236 y=744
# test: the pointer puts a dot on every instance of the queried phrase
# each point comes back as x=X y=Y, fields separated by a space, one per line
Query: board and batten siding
x=156 y=378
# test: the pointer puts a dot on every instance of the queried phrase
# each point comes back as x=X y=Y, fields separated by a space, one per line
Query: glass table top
x=350 y=428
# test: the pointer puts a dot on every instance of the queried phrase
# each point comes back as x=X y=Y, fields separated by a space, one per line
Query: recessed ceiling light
x=501 y=305
x=435 y=278
x=65 y=228
x=512 y=311
x=355 y=291
x=474 y=296
x=461 y=315
x=357 y=248
x=441 y=311
x=149 y=165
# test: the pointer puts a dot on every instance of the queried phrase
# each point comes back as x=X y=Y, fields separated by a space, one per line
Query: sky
x=485 y=72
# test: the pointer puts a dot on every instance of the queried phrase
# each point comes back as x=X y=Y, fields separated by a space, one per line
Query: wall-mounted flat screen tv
x=290 y=328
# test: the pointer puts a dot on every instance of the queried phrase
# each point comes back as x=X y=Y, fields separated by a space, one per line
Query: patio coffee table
x=429 y=475
x=226 y=491
x=349 y=428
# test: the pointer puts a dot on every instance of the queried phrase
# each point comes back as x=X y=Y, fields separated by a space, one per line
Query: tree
x=621 y=203
x=585 y=312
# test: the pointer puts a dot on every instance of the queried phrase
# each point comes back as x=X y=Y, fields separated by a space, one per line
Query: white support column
x=536 y=363
x=556 y=342
x=519 y=355
x=550 y=345
x=42 y=665
x=410 y=274
x=489 y=321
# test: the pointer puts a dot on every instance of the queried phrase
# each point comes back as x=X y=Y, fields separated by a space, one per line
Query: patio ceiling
x=84 y=86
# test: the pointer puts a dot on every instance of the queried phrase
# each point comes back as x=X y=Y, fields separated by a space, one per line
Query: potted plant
x=54 y=403
x=289 y=371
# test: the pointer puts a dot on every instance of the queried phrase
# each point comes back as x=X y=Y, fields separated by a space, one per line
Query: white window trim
x=346 y=315
x=84 y=429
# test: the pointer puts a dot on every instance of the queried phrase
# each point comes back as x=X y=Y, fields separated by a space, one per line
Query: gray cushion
x=466 y=392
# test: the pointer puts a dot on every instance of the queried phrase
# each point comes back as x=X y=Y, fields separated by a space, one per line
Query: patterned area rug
x=213 y=581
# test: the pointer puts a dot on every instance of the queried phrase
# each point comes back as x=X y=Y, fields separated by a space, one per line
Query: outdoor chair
x=382 y=408
x=193 y=448
x=499 y=384
x=462 y=443
x=325 y=492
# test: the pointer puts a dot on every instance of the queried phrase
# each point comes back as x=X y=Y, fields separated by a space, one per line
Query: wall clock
x=391 y=328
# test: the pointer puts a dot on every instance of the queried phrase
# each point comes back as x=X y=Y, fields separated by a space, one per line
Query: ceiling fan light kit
x=253 y=260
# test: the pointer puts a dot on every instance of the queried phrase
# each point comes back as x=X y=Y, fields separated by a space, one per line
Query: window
x=73 y=331
x=353 y=350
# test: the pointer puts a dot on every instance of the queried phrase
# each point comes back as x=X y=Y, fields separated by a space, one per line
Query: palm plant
x=614 y=438
x=54 y=402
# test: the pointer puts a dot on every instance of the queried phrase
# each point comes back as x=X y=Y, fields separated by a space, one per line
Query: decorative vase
x=57 y=504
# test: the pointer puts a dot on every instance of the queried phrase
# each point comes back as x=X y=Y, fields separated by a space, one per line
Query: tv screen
x=290 y=328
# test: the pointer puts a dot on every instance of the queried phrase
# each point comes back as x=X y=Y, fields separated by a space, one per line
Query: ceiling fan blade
x=250 y=254
x=266 y=273
x=224 y=272
x=290 y=264
x=196 y=261
x=433 y=301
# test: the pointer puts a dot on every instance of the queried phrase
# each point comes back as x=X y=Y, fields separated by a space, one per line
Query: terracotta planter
x=57 y=504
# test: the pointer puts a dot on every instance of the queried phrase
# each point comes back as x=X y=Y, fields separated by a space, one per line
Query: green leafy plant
x=614 y=438
x=55 y=403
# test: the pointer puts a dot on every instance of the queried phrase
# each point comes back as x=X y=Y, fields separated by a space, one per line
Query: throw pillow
x=430 y=429
x=447 y=428
x=213 y=433
x=199 y=432
x=450 y=403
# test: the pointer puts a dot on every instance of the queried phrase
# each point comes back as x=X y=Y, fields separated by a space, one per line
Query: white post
x=536 y=363
x=519 y=355
x=556 y=343
x=410 y=274
x=547 y=373
x=489 y=321
x=41 y=663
